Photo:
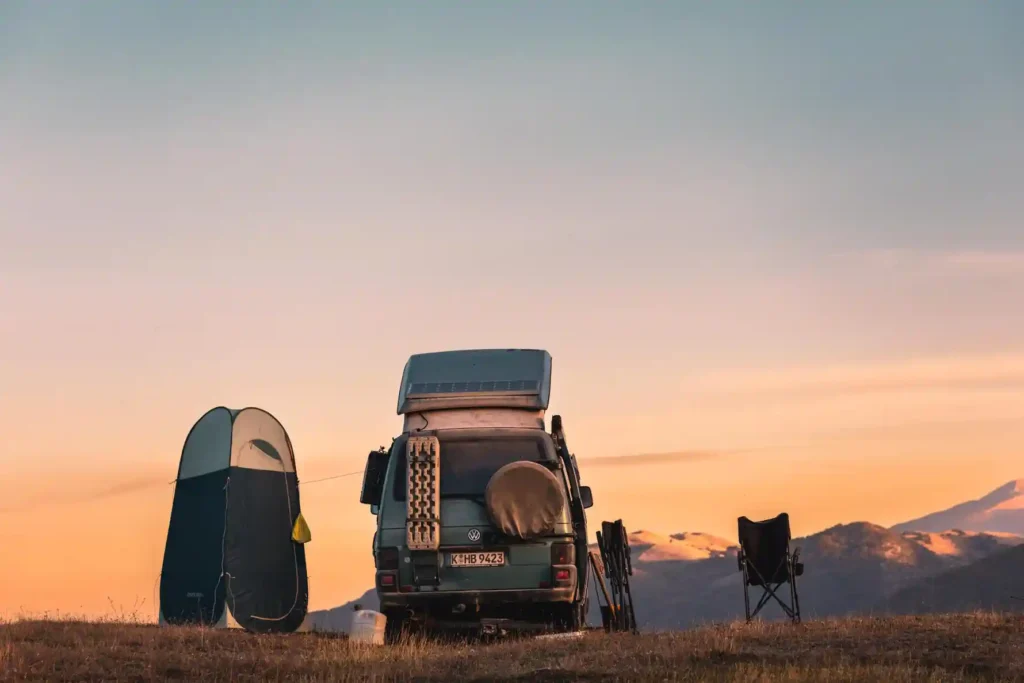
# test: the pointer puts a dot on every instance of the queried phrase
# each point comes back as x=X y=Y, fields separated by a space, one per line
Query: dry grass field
x=933 y=648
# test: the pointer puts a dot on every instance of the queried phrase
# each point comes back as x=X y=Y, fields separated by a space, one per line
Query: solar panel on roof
x=476 y=378
x=423 y=388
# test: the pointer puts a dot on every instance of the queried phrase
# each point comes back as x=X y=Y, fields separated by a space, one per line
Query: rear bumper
x=469 y=598
x=426 y=597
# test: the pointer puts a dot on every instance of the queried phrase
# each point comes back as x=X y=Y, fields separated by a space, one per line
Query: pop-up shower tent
x=234 y=555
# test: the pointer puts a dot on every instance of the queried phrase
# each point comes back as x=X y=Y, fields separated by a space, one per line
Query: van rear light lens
x=386 y=581
x=387 y=558
x=562 y=575
x=563 y=553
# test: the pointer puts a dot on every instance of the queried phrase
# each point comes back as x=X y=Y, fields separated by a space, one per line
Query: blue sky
x=710 y=173
x=905 y=117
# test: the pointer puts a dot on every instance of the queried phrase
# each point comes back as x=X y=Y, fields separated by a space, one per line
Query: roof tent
x=230 y=558
x=486 y=378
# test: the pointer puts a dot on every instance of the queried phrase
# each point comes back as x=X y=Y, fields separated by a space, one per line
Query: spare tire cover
x=524 y=499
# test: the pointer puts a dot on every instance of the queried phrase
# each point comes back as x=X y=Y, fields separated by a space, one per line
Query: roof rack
x=478 y=378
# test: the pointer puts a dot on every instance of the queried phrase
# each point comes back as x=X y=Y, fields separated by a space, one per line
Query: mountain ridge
x=989 y=584
x=687 y=578
x=1000 y=510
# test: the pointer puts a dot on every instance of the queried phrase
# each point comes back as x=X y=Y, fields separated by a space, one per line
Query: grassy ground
x=935 y=648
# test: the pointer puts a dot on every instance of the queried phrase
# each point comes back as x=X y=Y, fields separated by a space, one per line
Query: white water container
x=367 y=627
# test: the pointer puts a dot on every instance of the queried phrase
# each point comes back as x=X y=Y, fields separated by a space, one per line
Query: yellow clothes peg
x=300 y=532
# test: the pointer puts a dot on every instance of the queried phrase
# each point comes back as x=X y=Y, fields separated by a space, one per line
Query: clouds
x=702 y=457
x=960 y=263
x=65 y=496
x=925 y=373
x=679 y=457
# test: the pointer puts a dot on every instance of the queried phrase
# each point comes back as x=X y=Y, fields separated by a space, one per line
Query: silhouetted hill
x=963 y=547
x=339 y=619
x=690 y=546
x=987 y=584
x=848 y=569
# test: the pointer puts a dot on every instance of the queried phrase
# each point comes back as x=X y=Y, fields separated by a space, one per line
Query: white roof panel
x=480 y=378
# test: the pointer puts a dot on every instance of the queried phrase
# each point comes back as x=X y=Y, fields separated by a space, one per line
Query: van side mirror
x=587 y=497
x=373 y=478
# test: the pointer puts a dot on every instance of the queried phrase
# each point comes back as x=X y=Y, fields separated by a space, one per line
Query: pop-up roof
x=485 y=378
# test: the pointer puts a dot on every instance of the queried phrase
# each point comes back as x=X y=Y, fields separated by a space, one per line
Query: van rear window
x=467 y=465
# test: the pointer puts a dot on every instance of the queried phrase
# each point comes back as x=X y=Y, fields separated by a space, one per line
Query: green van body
x=541 y=583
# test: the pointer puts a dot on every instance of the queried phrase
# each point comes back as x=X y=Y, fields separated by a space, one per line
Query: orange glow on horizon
x=89 y=534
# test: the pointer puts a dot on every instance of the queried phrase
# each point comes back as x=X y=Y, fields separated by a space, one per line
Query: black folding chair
x=765 y=561
x=616 y=556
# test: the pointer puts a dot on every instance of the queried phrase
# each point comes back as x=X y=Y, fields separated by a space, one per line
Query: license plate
x=478 y=559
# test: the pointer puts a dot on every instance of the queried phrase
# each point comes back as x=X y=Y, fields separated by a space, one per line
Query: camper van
x=481 y=521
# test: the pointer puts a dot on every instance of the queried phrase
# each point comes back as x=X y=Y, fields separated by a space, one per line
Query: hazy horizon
x=786 y=240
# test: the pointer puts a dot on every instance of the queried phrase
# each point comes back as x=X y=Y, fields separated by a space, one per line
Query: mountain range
x=1001 y=510
x=966 y=557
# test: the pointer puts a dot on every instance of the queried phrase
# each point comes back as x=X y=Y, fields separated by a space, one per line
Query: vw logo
x=474 y=535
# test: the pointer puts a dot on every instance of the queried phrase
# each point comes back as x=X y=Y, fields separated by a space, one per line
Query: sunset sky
x=784 y=243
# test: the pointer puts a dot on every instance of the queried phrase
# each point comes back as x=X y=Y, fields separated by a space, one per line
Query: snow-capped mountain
x=1002 y=510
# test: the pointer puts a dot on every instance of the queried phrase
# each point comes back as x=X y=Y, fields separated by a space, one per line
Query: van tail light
x=563 y=553
x=563 y=563
x=387 y=581
x=386 y=558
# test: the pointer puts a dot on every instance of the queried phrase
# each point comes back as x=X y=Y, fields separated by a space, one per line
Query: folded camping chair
x=765 y=561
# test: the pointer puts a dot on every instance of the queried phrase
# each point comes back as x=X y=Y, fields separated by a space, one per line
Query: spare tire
x=524 y=500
